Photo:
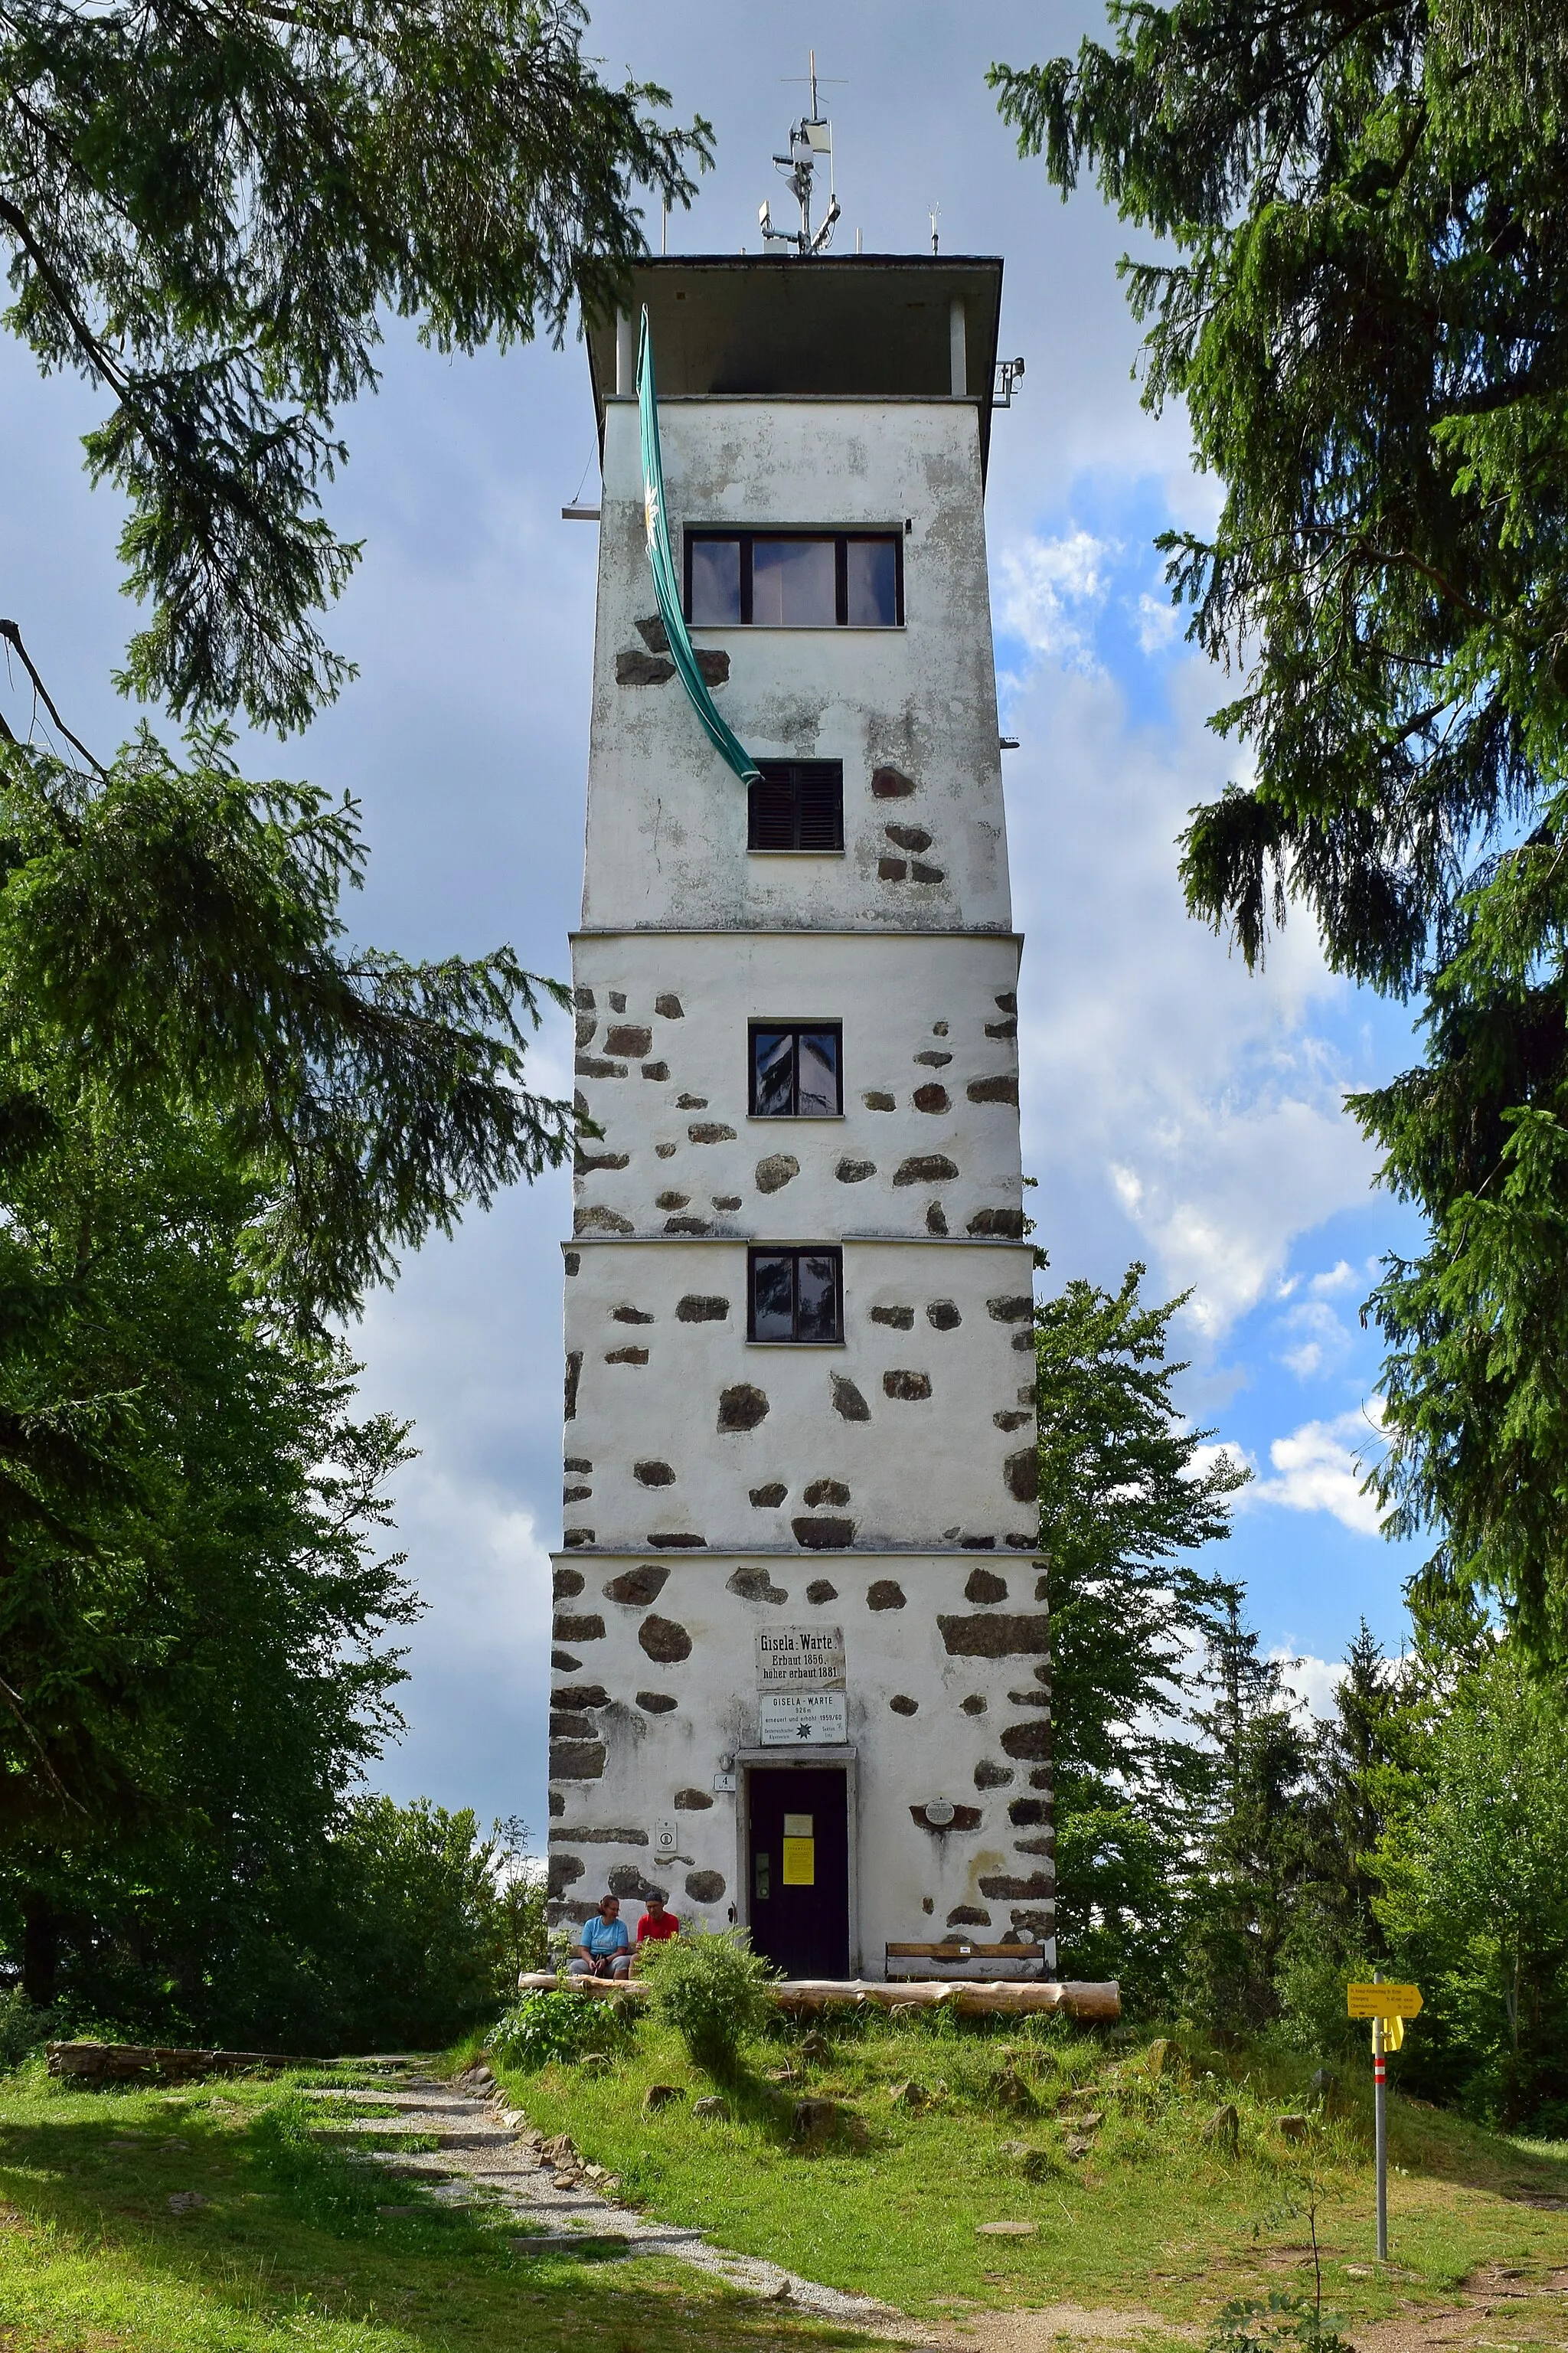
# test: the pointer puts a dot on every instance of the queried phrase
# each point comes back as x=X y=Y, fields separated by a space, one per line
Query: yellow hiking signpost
x=1388 y=2005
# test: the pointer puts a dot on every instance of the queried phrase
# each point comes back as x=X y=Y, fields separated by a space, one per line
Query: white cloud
x=1312 y=1683
x=1046 y=591
x=1321 y=1466
x=1318 y=1340
x=1158 y=622
x=1338 y=1278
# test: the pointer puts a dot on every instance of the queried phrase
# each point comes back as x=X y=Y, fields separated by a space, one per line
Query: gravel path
x=488 y=2154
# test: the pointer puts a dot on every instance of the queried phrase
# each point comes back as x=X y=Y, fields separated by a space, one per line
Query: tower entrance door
x=799 y=1842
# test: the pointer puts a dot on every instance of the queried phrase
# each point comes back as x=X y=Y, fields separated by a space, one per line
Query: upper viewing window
x=799 y=804
x=795 y=1070
x=795 y=579
x=795 y=1295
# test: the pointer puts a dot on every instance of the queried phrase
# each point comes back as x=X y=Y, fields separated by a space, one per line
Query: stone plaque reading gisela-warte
x=800 y=1658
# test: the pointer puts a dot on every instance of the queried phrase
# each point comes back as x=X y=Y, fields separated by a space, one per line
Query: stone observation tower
x=802 y=1679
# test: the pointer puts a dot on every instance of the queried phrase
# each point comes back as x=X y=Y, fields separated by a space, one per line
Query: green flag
x=666 y=581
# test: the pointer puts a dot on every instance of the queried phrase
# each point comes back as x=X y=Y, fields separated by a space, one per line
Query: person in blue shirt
x=605 y=1950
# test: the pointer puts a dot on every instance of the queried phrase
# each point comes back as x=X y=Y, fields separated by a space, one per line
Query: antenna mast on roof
x=810 y=137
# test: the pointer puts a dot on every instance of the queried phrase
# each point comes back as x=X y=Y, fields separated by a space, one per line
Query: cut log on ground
x=1005 y=1998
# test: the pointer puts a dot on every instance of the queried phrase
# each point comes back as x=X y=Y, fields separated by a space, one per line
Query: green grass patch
x=286 y=2247
x=1140 y=2209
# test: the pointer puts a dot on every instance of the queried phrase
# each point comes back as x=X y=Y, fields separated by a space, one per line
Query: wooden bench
x=958 y=1956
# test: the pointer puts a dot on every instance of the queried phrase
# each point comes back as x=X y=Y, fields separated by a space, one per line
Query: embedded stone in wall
x=653 y=1475
x=992 y=1777
x=775 y=1172
x=755 y=1585
x=996 y=1637
x=664 y=1641
x=1031 y=1742
x=701 y=1307
x=576 y=1462
x=672 y=1200
x=1021 y=1543
x=892 y=869
x=668 y=1008
x=573 y=1375
x=902 y=1705
x=979 y=1543
x=886 y=1593
x=655 y=1702
x=565 y=1627
x=1042 y=1589
x=1017 y=1308
x=564 y=1662
x=1029 y=1699
x=934 y=1059
x=710 y=1131
x=585 y=1164
x=625 y=1355
x=1003 y=1225
x=1014 y=1418
x=636 y=1587
x=626 y=1880
x=1007 y=1002
x=598 y=1220
x=635 y=668
x=1040 y=1776
x=687 y=1226
x=743 y=1407
x=820 y=1592
x=1045 y=1844
x=825 y=1490
x=912 y=1387
x=855 y=1172
x=939 y=1028
x=594 y=1066
x=943 y=1315
x=824 y=1535
x=627 y=1038
x=1002 y=1088
x=1005 y=1890
x=847 y=1400
x=891 y=784
x=566 y=1583
x=573 y=1260
x=580 y=1696
x=630 y=1315
x=575 y=1536
x=907 y=837
x=690 y=1103
x=1024 y=1812
x=984 y=1585
x=1025 y=1343
x=725 y=1201
x=658 y=1071
x=606 y=1836
x=875 y=1101
x=902 y=1319
x=925 y=1168
x=1001 y=1028
x=974 y=1704
x=564 y=1870
x=584 y=998
x=929 y=1098
x=577 y=1760
x=556 y=1802
x=705 y=1887
x=692 y=1802
x=964 y=1818
x=936 y=1219
x=768 y=1498
x=968 y=1915
x=919 y=873
x=569 y=1724
x=1021 y=1473
x=685 y=1542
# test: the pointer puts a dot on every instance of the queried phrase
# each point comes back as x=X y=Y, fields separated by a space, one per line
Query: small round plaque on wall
x=938 y=1812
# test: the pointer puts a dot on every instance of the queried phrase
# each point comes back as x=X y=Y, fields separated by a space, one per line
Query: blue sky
x=1174 y=1109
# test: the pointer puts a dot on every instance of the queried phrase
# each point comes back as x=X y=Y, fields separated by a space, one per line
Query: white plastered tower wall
x=885 y=1485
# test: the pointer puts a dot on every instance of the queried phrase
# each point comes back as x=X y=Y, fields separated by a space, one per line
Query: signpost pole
x=1380 y=2108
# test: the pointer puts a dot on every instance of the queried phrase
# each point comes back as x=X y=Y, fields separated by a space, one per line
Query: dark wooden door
x=799 y=1863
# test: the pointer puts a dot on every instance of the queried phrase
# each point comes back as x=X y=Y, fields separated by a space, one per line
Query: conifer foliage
x=1363 y=305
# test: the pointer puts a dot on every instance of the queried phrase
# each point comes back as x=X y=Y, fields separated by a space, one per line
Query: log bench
x=958 y=1956
x=1005 y=1998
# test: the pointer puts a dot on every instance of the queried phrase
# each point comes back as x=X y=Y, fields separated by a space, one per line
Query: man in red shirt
x=657 y=1924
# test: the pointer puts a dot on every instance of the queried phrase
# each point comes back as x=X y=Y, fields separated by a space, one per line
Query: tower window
x=795 y=579
x=795 y=1295
x=796 y=1071
x=799 y=804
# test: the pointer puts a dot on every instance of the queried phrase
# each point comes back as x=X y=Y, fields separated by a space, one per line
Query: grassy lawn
x=287 y=2250
x=1153 y=2216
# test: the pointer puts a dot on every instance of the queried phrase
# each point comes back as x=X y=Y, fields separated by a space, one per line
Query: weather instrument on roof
x=810 y=137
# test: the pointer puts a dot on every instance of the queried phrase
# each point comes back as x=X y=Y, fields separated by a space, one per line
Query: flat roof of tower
x=860 y=326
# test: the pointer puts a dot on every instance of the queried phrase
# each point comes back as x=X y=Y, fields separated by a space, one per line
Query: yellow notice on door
x=800 y=1862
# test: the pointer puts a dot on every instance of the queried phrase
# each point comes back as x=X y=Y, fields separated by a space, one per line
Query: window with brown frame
x=795 y=579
